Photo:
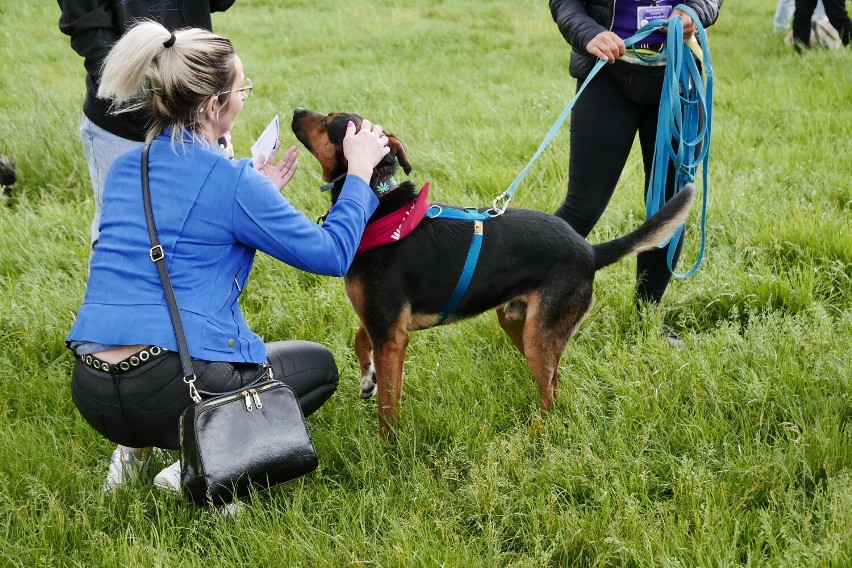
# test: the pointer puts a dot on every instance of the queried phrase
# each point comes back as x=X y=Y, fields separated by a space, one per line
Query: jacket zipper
x=612 y=15
x=231 y=292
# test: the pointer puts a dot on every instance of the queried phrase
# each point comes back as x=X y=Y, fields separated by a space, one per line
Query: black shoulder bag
x=254 y=437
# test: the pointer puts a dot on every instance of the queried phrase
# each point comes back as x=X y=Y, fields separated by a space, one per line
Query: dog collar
x=396 y=226
x=384 y=186
x=330 y=185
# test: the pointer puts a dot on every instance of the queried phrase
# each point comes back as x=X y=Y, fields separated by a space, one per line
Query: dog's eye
x=324 y=121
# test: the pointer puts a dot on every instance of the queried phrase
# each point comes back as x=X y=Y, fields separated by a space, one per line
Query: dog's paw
x=368 y=385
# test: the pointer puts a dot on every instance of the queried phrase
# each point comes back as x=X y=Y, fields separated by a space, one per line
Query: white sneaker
x=169 y=479
x=124 y=467
x=232 y=510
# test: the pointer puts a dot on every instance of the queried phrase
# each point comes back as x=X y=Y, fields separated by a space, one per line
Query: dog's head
x=323 y=136
x=7 y=174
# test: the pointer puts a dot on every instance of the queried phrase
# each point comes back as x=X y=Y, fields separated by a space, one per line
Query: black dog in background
x=7 y=175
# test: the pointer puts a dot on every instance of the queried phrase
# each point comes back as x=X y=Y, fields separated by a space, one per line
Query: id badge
x=645 y=14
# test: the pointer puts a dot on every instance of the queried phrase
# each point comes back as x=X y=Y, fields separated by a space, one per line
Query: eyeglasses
x=244 y=91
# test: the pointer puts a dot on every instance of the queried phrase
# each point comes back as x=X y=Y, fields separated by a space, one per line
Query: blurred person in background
x=94 y=27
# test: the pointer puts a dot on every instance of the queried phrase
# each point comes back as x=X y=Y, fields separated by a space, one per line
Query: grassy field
x=735 y=449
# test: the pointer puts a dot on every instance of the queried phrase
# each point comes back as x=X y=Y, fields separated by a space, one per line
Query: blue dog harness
x=462 y=214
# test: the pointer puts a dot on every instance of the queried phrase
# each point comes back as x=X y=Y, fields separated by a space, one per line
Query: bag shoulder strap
x=158 y=257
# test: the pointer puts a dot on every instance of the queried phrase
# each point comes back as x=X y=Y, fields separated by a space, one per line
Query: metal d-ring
x=437 y=213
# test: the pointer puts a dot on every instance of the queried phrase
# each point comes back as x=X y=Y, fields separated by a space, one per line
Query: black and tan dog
x=533 y=268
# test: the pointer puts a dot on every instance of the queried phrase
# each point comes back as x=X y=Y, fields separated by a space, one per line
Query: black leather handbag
x=255 y=437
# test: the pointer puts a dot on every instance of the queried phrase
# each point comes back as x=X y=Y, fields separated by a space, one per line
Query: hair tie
x=171 y=41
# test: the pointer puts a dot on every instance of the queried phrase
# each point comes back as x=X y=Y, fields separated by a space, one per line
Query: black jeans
x=141 y=408
x=837 y=15
x=621 y=101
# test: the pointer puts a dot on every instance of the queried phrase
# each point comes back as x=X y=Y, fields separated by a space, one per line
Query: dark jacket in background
x=580 y=21
x=95 y=26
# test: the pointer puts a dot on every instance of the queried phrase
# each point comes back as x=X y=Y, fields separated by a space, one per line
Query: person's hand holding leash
x=365 y=149
x=688 y=24
x=606 y=45
x=282 y=172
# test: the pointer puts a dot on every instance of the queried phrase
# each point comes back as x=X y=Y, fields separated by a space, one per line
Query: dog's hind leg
x=511 y=317
x=389 y=358
x=364 y=351
x=546 y=334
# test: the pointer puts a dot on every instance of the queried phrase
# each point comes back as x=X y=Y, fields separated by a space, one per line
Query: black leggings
x=837 y=15
x=620 y=101
x=141 y=408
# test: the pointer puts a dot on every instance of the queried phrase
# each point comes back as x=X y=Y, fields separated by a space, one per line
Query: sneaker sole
x=166 y=486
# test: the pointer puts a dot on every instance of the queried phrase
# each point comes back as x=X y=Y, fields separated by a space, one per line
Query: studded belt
x=136 y=360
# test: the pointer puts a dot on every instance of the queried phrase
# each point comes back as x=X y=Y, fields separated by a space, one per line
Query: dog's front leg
x=389 y=360
x=364 y=351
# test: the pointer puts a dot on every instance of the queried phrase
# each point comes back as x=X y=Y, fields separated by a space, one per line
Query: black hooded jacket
x=95 y=26
x=580 y=21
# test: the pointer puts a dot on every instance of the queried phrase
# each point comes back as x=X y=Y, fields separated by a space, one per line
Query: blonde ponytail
x=169 y=74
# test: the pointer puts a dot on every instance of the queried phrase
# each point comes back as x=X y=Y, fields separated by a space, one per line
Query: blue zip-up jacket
x=212 y=214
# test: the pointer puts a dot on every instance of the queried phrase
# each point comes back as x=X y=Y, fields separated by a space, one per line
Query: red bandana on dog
x=396 y=226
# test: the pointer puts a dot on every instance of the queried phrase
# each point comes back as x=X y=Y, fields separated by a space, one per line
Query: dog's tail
x=652 y=232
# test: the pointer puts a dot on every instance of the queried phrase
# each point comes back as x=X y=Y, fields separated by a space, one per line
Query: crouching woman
x=212 y=214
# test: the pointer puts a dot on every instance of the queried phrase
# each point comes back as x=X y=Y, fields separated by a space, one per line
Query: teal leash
x=680 y=119
x=684 y=102
x=507 y=195
x=684 y=125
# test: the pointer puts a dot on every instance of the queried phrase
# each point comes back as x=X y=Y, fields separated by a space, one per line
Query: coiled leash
x=683 y=128
x=683 y=135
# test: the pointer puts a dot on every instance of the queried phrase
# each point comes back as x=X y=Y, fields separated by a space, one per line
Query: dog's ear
x=398 y=150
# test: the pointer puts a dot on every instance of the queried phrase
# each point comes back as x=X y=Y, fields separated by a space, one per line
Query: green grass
x=734 y=450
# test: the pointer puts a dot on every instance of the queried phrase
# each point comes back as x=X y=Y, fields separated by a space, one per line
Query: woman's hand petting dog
x=365 y=149
x=282 y=172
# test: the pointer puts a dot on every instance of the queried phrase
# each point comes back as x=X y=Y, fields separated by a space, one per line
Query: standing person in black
x=94 y=27
x=837 y=16
x=621 y=101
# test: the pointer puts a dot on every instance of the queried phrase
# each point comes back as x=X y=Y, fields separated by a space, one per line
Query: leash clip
x=497 y=208
x=193 y=392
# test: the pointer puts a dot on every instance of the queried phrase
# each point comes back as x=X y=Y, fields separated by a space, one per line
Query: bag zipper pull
x=249 y=407
x=256 y=397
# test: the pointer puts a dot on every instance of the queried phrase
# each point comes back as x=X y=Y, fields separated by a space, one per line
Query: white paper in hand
x=267 y=143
